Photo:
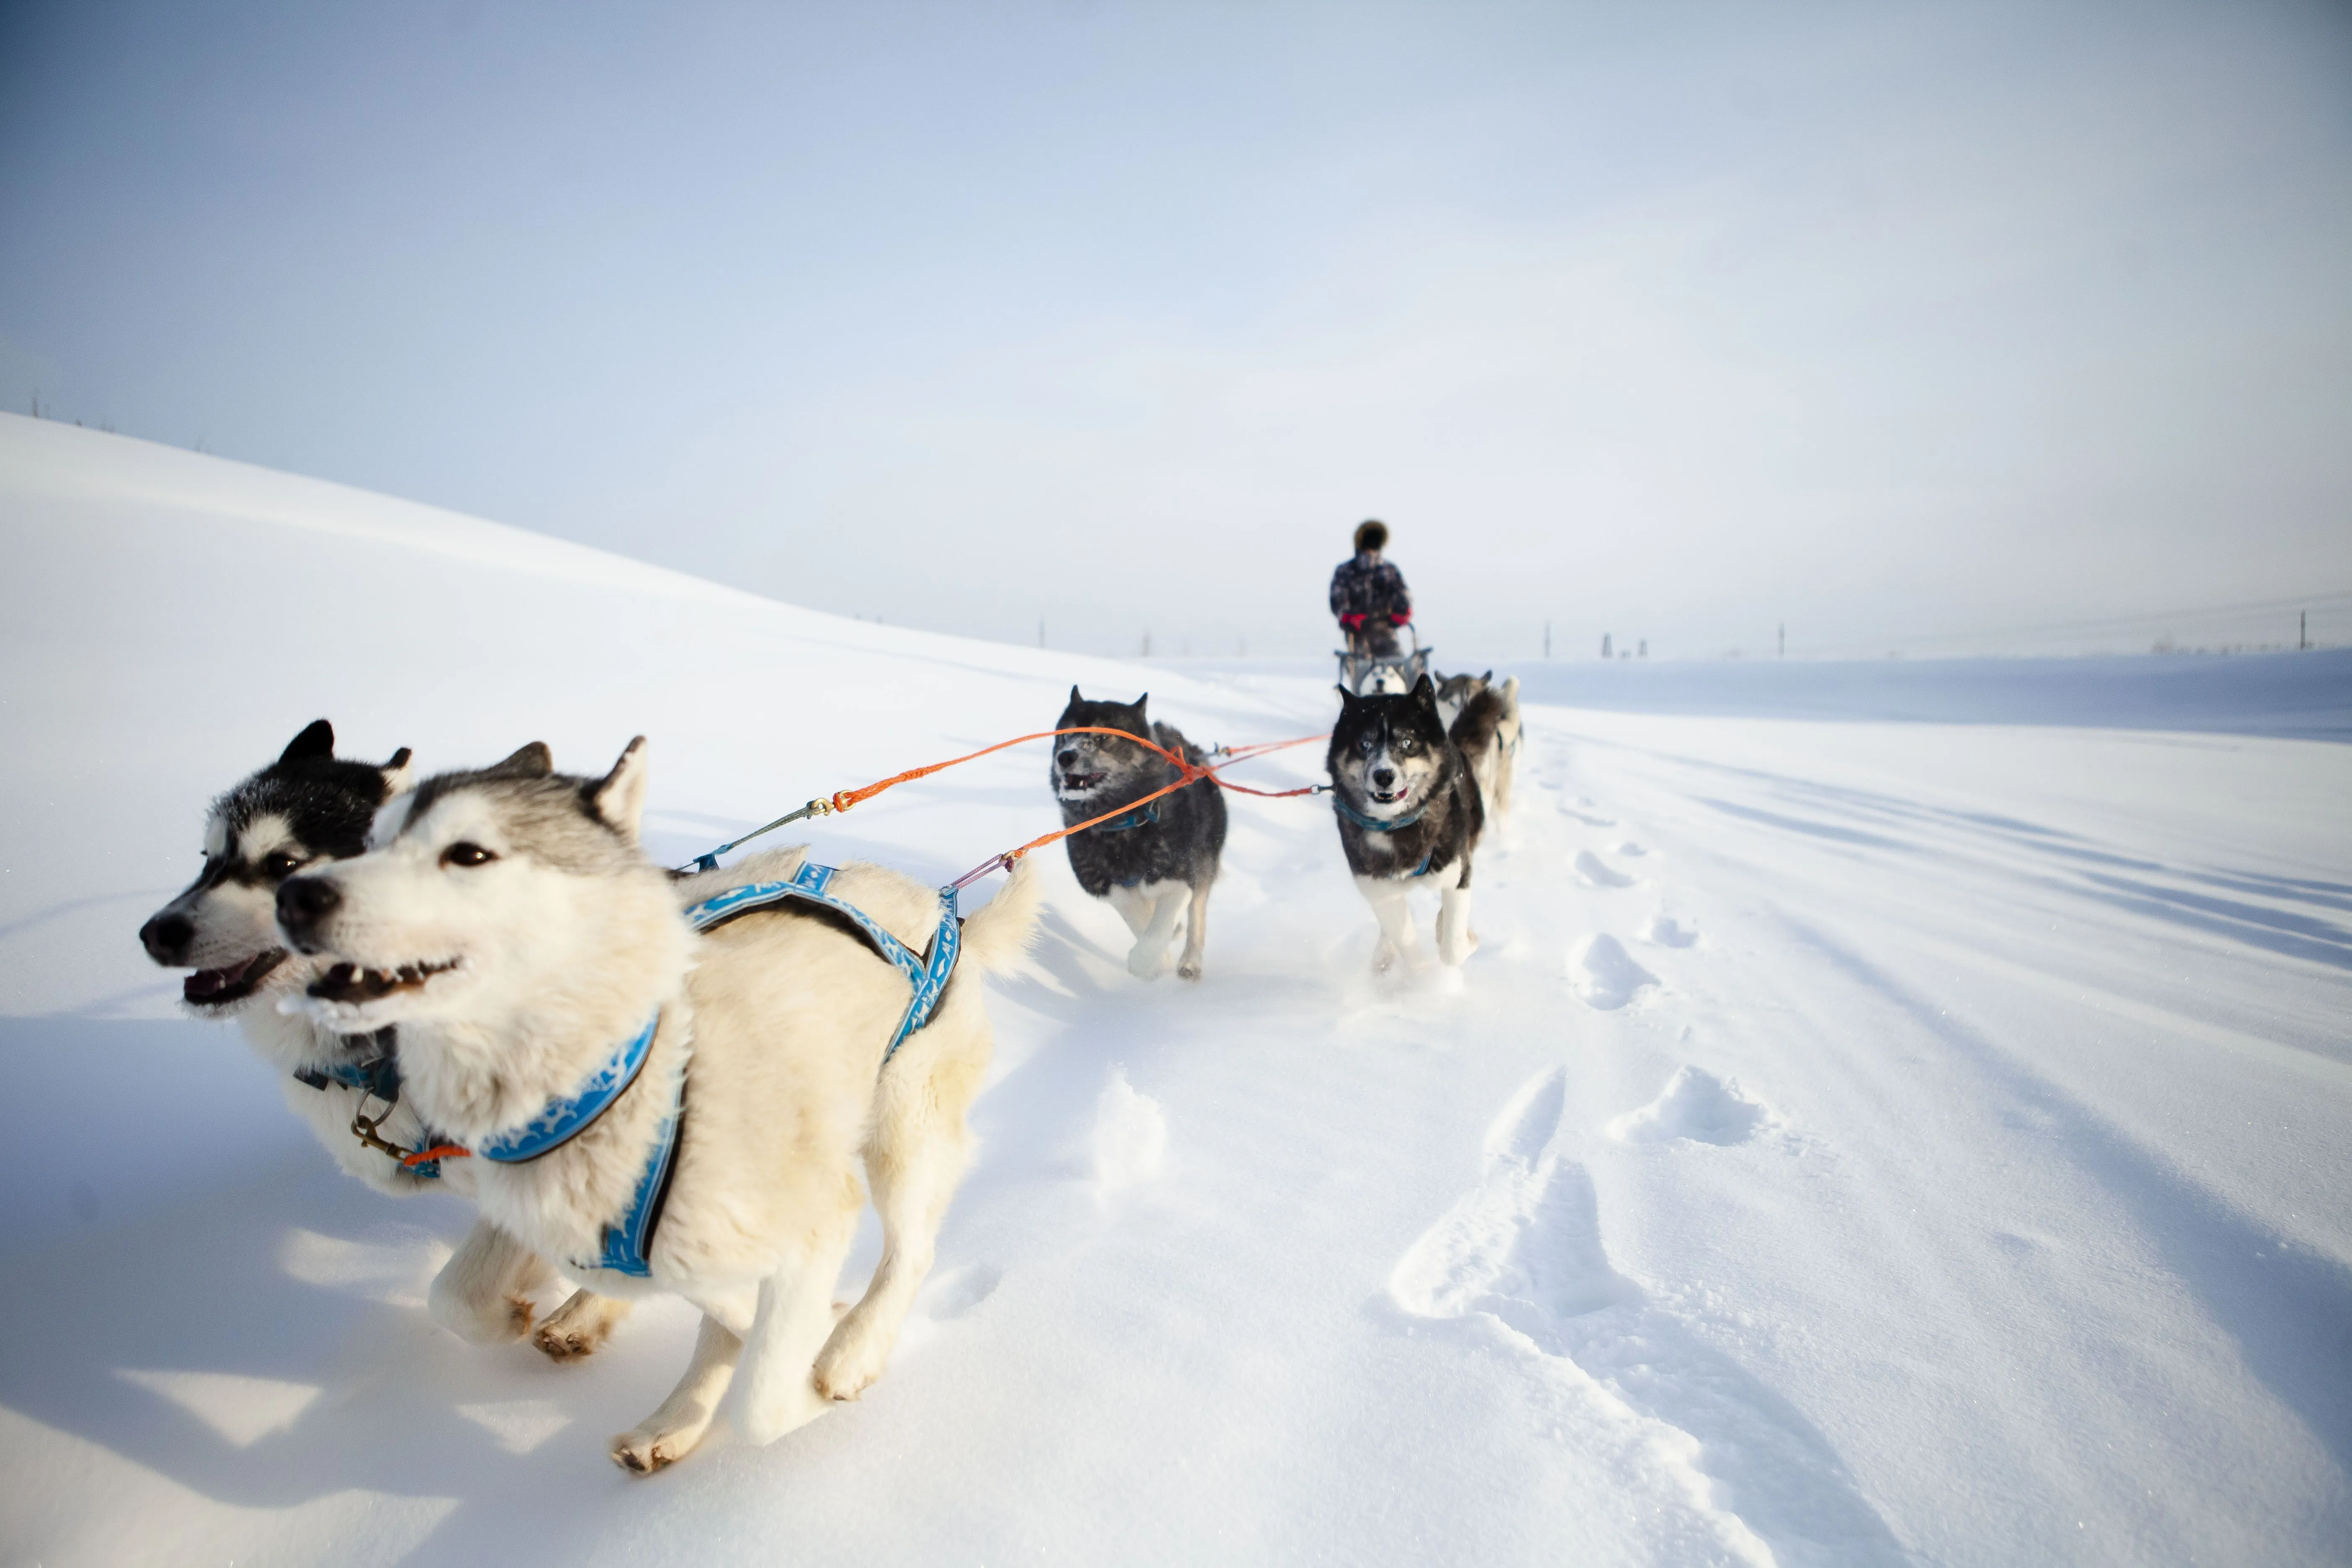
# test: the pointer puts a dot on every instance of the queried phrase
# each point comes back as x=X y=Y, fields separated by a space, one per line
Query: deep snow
x=1853 y=1141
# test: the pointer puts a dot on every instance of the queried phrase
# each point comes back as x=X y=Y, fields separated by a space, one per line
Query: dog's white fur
x=1392 y=906
x=483 y=1294
x=778 y=1023
x=1151 y=911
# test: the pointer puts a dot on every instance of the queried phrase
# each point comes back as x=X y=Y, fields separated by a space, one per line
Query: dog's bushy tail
x=1511 y=700
x=998 y=936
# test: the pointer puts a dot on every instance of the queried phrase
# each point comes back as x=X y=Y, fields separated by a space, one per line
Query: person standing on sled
x=1369 y=596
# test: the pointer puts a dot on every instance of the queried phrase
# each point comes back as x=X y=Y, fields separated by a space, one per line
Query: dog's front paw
x=580 y=1327
x=641 y=1452
x=845 y=1371
x=1188 y=970
x=1143 y=962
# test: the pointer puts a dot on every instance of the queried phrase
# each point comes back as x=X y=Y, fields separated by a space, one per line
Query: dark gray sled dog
x=1151 y=862
x=1409 y=815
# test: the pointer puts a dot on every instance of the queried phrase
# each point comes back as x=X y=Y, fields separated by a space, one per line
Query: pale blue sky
x=1675 y=321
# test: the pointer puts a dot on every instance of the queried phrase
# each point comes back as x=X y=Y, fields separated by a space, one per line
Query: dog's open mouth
x=1081 y=784
x=219 y=987
x=349 y=983
x=1387 y=799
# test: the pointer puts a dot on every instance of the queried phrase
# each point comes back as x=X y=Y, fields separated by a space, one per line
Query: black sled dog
x=1410 y=815
x=1153 y=863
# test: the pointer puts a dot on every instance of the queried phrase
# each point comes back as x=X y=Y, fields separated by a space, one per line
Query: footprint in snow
x=1596 y=873
x=1696 y=1105
x=952 y=1292
x=1711 y=1443
x=1667 y=932
x=1586 y=818
x=1630 y=849
x=1605 y=975
x=1524 y=1243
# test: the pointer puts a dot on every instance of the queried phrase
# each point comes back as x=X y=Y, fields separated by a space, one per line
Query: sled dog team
x=656 y=1084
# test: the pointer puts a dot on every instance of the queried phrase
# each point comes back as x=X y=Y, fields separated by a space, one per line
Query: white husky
x=507 y=922
x=307 y=808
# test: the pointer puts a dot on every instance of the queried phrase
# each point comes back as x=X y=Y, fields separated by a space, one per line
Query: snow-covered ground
x=1853 y=1142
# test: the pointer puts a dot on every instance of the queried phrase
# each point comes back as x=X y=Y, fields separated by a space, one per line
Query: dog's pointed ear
x=397 y=773
x=316 y=739
x=1138 y=706
x=531 y=762
x=1488 y=677
x=1074 y=698
x=618 y=798
x=1347 y=699
x=1424 y=692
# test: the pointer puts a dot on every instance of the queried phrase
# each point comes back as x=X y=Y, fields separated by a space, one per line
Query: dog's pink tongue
x=204 y=985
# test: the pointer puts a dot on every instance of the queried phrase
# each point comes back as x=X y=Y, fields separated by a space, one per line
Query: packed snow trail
x=1852 y=1144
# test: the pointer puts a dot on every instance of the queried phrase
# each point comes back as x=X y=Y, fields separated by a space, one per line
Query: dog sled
x=1370 y=674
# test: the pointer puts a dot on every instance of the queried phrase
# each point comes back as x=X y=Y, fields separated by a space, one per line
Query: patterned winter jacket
x=1368 y=587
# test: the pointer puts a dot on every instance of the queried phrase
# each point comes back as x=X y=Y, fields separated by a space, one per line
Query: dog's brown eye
x=280 y=866
x=467 y=855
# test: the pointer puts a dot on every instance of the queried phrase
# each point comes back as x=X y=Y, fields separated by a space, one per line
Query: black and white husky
x=705 y=1098
x=308 y=808
x=1409 y=814
x=1154 y=863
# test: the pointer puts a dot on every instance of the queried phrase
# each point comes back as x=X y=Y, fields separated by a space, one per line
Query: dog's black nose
x=1068 y=758
x=304 y=901
x=1383 y=777
x=167 y=936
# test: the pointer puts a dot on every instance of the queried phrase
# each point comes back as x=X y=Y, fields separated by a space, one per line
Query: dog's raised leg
x=1454 y=940
x=670 y=1433
x=913 y=1162
x=483 y=1293
x=1149 y=955
x=778 y=1390
x=1196 y=934
x=580 y=1326
x=1392 y=906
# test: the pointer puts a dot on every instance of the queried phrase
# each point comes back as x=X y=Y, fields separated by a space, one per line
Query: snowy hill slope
x=1853 y=1143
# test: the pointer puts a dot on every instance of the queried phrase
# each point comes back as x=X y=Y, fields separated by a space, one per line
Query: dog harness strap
x=378 y=1076
x=1144 y=818
x=927 y=974
x=628 y=1245
x=1374 y=825
x=563 y=1119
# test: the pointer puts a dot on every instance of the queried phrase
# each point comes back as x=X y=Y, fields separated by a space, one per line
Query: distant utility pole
x=1644 y=652
x=2301 y=630
x=1040 y=631
x=1784 y=639
x=1546 y=642
x=1604 y=647
x=1147 y=642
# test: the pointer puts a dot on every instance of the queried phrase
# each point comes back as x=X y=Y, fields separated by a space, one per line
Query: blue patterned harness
x=628 y=1245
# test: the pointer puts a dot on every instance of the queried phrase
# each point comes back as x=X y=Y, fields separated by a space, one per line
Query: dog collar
x=377 y=1078
x=1374 y=823
x=379 y=1075
x=1144 y=818
x=565 y=1120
